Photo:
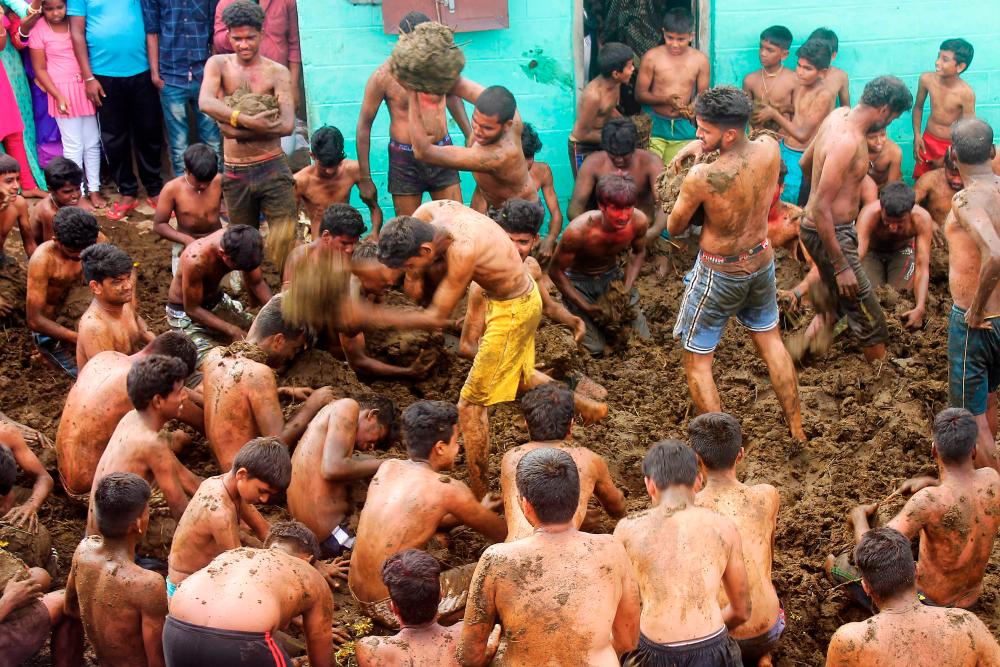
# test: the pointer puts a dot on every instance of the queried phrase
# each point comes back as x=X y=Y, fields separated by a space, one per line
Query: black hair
x=725 y=106
x=119 y=499
x=897 y=199
x=74 y=228
x=962 y=49
x=152 y=376
x=177 y=345
x=826 y=35
x=613 y=57
x=816 y=53
x=426 y=423
x=619 y=136
x=670 y=462
x=103 y=260
x=202 y=162
x=411 y=21
x=401 y=239
x=327 y=146
x=497 y=101
x=270 y=322
x=548 y=410
x=387 y=416
x=342 y=220
x=62 y=171
x=413 y=578
x=678 y=20
x=266 y=459
x=716 y=438
x=8 y=470
x=887 y=90
x=955 y=434
x=549 y=479
x=243 y=14
x=886 y=562
x=520 y=216
x=242 y=243
x=530 y=143
x=971 y=141
x=782 y=171
x=294 y=533
x=618 y=190
x=9 y=165
x=778 y=35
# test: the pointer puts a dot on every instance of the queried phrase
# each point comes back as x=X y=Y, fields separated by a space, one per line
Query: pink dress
x=60 y=61
x=10 y=116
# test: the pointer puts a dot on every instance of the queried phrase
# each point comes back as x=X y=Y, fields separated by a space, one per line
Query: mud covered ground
x=868 y=426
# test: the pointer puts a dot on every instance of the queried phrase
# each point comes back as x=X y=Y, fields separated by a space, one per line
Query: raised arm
x=472 y=158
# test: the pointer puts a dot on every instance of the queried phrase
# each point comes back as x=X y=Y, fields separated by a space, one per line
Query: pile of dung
x=11 y=568
x=427 y=60
x=684 y=108
x=282 y=236
x=246 y=350
x=770 y=125
x=668 y=184
x=320 y=283
x=34 y=548
x=244 y=101
x=644 y=128
x=617 y=314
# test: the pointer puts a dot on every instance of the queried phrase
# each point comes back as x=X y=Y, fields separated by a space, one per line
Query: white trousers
x=81 y=140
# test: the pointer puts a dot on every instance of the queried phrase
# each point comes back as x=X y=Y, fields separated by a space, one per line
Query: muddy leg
x=452 y=192
x=474 y=423
x=405 y=204
x=701 y=384
x=782 y=372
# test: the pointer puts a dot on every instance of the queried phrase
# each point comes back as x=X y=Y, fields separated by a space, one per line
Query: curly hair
x=725 y=106
x=243 y=14
x=401 y=239
x=619 y=136
x=296 y=534
x=342 y=220
x=520 y=216
x=887 y=90
x=74 y=228
x=530 y=143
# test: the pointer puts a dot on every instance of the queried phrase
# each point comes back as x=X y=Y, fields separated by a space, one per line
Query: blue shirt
x=185 y=30
x=116 y=41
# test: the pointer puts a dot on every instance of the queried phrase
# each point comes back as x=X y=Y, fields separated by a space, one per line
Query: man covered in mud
x=973 y=234
x=717 y=440
x=682 y=621
x=97 y=402
x=410 y=501
x=19 y=507
x=586 y=266
x=935 y=189
x=559 y=595
x=196 y=304
x=53 y=270
x=885 y=158
x=734 y=273
x=548 y=411
x=905 y=632
x=241 y=388
x=333 y=453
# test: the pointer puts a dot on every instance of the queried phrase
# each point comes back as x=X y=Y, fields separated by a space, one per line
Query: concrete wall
x=343 y=43
x=877 y=37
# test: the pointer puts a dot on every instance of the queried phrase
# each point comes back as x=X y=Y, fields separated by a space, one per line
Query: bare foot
x=97 y=200
x=85 y=204
x=34 y=193
x=765 y=661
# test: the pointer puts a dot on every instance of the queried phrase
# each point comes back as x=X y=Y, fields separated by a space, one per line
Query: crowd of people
x=783 y=162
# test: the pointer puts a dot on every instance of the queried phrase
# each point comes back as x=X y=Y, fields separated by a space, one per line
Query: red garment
x=280 y=41
x=936 y=147
x=14 y=145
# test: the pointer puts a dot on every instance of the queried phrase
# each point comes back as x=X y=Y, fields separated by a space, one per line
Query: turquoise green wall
x=899 y=37
x=343 y=43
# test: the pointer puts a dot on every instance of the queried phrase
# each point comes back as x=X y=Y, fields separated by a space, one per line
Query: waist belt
x=248 y=166
x=408 y=148
x=732 y=259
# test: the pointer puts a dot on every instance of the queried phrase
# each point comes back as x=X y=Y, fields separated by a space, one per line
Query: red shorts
x=935 y=148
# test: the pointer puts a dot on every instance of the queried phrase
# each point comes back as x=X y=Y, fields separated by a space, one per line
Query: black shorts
x=716 y=650
x=189 y=645
x=408 y=176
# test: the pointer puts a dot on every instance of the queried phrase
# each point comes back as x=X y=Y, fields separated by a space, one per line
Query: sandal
x=118 y=211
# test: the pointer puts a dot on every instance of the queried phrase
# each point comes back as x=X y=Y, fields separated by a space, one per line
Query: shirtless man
x=333 y=453
x=13 y=212
x=702 y=550
x=935 y=190
x=894 y=244
x=541 y=174
x=670 y=77
x=156 y=389
x=783 y=220
x=717 y=440
x=241 y=389
x=393 y=520
x=63 y=178
x=973 y=258
x=812 y=102
x=330 y=179
x=53 y=270
x=598 y=102
x=15 y=509
x=734 y=273
x=951 y=100
x=213 y=620
x=194 y=199
x=196 y=304
x=836 y=80
x=904 y=632
x=127 y=632
x=773 y=84
x=212 y=521
x=836 y=164
x=885 y=159
x=577 y=602
x=548 y=411
x=585 y=266
x=111 y=321
x=409 y=178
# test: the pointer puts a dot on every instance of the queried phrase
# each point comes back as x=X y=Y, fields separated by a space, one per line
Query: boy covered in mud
x=330 y=455
x=670 y=77
x=541 y=174
x=63 y=178
x=212 y=521
x=702 y=550
x=951 y=100
x=905 y=632
x=586 y=265
x=194 y=199
x=111 y=321
x=581 y=606
x=122 y=605
x=836 y=79
x=329 y=180
x=599 y=101
x=717 y=440
x=16 y=507
x=411 y=500
x=885 y=158
x=936 y=188
x=548 y=411
x=773 y=84
x=13 y=211
x=53 y=270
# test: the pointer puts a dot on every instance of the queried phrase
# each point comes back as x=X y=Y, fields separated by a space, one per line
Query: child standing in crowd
x=11 y=123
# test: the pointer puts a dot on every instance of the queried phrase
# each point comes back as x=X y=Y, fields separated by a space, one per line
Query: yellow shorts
x=506 y=357
x=667 y=148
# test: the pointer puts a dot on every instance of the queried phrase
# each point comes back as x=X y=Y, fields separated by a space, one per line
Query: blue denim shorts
x=712 y=297
x=973 y=363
